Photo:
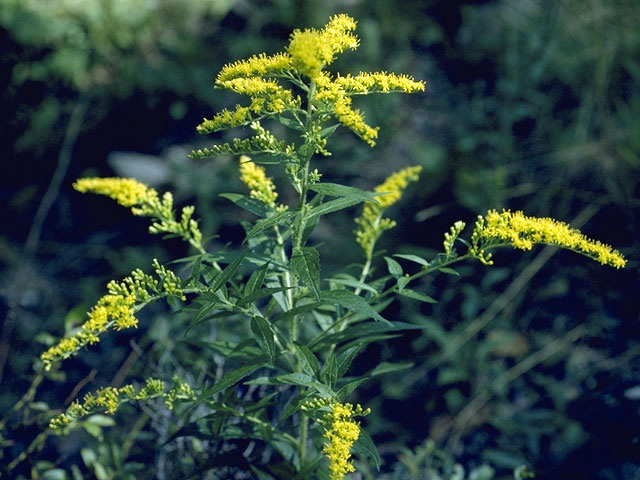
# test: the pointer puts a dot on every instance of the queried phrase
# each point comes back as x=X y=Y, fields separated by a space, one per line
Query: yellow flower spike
x=522 y=232
x=116 y=310
x=128 y=192
x=354 y=120
x=341 y=431
x=336 y=34
x=365 y=83
x=308 y=53
x=311 y=50
x=109 y=399
x=258 y=65
x=395 y=184
x=260 y=186
x=371 y=224
x=145 y=202
x=225 y=119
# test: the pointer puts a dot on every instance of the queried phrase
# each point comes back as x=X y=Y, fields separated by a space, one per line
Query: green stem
x=26 y=398
x=285 y=261
x=341 y=322
x=304 y=433
x=37 y=443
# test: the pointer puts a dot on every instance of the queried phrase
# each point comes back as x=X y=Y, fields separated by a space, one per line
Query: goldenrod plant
x=273 y=403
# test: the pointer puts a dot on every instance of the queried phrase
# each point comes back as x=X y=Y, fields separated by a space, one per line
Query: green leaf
x=100 y=420
x=290 y=123
x=307 y=307
x=352 y=302
x=450 y=271
x=304 y=380
x=260 y=475
x=361 y=331
x=233 y=377
x=248 y=203
x=194 y=276
x=394 y=267
x=264 y=292
x=89 y=456
x=270 y=222
x=256 y=279
x=55 y=474
x=307 y=359
x=333 y=206
x=364 y=341
x=389 y=367
x=305 y=264
x=349 y=388
x=365 y=446
x=306 y=150
x=353 y=283
x=264 y=336
x=300 y=379
x=413 y=258
x=337 y=190
x=402 y=282
x=325 y=132
x=345 y=358
x=229 y=271
x=329 y=373
x=421 y=297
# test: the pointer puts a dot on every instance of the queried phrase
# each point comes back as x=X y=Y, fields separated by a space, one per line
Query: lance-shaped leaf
x=394 y=267
x=270 y=222
x=421 y=297
x=352 y=302
x=228 y=272
x=305 y=264
x=248 y=203
x=365 y=446
x=256 y=279
x=234 y=376
x=333 y=206
x=264 y=336
x=337 y=190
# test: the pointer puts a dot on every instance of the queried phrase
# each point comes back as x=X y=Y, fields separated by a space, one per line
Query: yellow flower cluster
x=308 y=53
x=263 y=142
x=145 y=202
x=116 y=310
x=260 y=186
x=371 y=224
x=311 y=50
x=522 y=232
x=335 y=95
x=365 y=83
x=225 y=119
x=259 y=65
x=341 y=432
x=451 y=236
x=108 y=399
x=128 y=192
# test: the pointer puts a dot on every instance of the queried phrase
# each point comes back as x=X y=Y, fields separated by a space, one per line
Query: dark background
x=531 y=105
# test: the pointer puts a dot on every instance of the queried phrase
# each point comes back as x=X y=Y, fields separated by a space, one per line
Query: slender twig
x=64 y=161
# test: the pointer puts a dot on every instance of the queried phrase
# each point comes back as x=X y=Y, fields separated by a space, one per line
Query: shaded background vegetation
x=531 y=105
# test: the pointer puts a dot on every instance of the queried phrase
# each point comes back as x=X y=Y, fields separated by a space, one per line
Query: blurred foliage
x=531 y=105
